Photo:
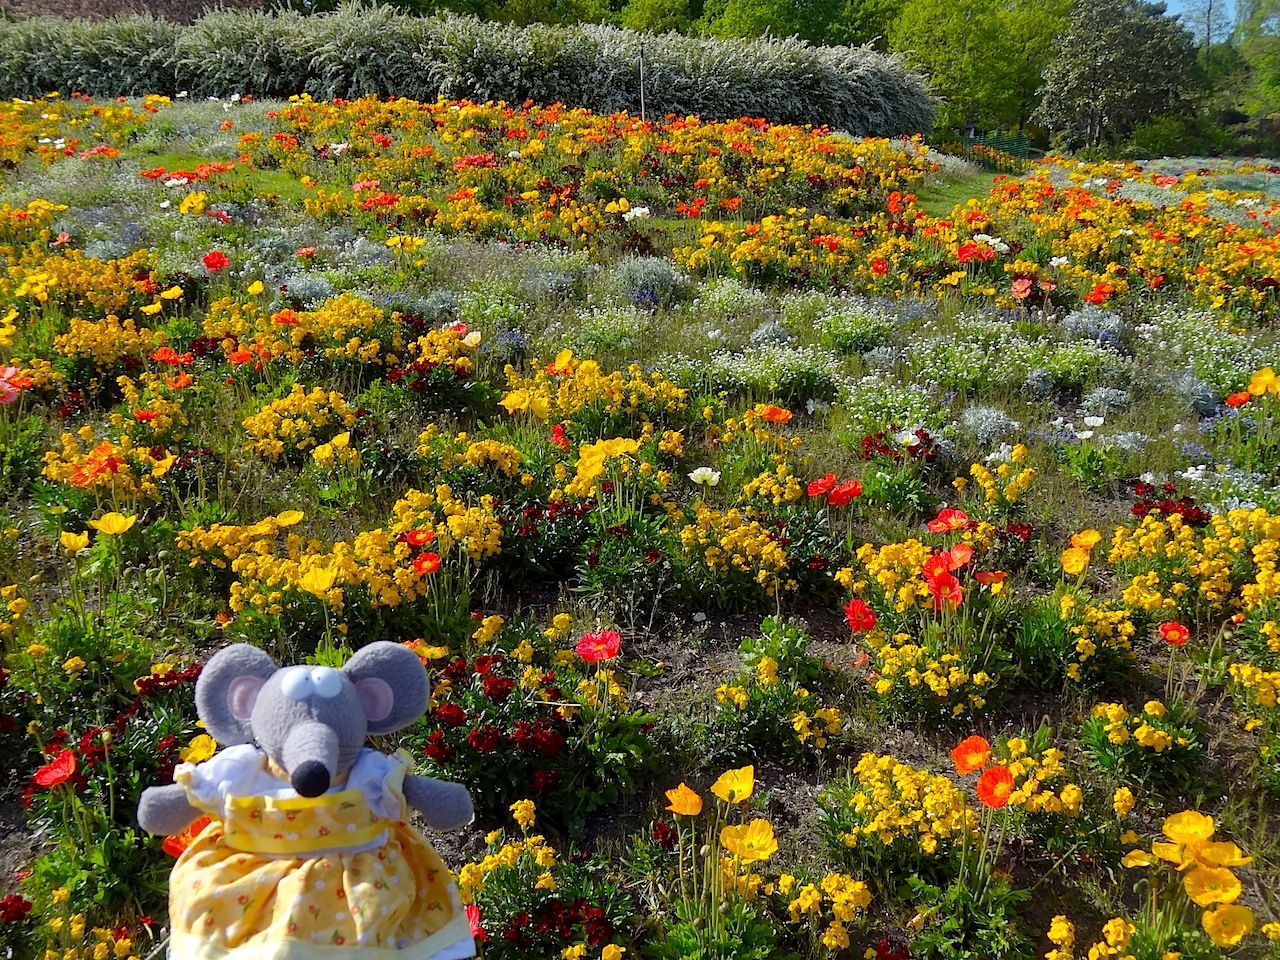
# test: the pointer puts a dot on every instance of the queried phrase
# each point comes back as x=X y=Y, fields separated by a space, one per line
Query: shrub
x=363 y=49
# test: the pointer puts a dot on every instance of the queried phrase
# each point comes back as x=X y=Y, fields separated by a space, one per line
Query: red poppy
x=989 y=578
x=1239 y=399
x=145 y=416
x=559 y=437
x=774 y=414
x=174 y=845
x=1174 y=633
x=306 y=253
x=593 y=647
x=958 y=556
x=945 y=589
x=970 y=754
x=59 y=771
x=817 y=488
x=843 y=494
x=879 y=266
x=994 y=787
x=947 y=520
x=935 y=566
x=419 y=538
x=425 y=563
x=473 y=920
x=215 y=260
x=860 y=616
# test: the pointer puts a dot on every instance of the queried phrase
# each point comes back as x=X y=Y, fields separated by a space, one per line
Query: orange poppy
x=970 y=754
x=994 y=787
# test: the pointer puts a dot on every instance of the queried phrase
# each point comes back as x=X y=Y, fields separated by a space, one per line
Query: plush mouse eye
x=326 y=681
x=297 y=683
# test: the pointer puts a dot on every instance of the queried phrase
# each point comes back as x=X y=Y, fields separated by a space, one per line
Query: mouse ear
x=392 y=684
x=228 y=689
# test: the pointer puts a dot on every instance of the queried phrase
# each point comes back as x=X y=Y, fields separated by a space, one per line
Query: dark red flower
x=13 y=908
x=436 y=749
x=450 y=714
x=484 y=739
x=498 y=688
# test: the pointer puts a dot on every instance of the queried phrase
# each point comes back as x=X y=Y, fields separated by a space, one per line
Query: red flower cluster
x=579 y=920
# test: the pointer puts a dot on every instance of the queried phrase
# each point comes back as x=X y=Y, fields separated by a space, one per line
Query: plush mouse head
x=311 y=721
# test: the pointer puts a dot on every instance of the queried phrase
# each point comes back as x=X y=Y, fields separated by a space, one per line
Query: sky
x=1180 y=6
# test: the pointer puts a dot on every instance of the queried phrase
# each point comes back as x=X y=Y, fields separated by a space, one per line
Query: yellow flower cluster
x=297 y=422
x=1229 y=564
x=730 y=545
x=896 y=567
x=1003 y=489
x=778 y=486
x=1119 y=726
x=1036 y=776
x=14 y=609
x=462 y=451
x=903 y=663
x=833 y=903
x=563 y=390
x=530 y=852
x=1104 y=625
x=120 y=471
x=344 y=328
x=895 y=803
x=99 y=943
x=104 y=341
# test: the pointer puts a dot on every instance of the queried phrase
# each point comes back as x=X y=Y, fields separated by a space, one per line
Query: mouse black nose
x=310 y=779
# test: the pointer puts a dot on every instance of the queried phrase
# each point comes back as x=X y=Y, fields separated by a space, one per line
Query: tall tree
x=1118 y=64
x=983 y=57
x=807 y=19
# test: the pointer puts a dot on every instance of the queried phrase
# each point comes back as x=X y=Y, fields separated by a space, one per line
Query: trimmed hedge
x=373 y=50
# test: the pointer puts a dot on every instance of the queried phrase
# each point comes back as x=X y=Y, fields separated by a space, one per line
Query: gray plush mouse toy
x=308 y=853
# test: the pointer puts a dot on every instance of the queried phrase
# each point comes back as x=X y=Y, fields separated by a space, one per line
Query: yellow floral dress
x=278 y=876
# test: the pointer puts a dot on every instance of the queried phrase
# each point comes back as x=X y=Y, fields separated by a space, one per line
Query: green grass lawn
x=941 y=196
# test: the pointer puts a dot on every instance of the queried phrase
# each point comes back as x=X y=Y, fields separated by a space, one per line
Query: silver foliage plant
x=364 y=49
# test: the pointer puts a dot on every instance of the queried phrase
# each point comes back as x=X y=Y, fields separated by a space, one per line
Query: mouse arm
x=444 y=805
x=165 y=810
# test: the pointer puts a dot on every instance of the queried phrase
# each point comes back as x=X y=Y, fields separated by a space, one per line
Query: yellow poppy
x=173 y=293
x=684 y=801
x=256 y=288
x=289 y=518
x=318 y=580
x=750 y=842
x=1206 y=885
x=1222 y=854
x=1075 y=560
x=73 y=542
x=1086 y=539
x=1138 y=858
x=113 y=523
x=735 y=786
x=1227 y=924
x=1264 y=381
